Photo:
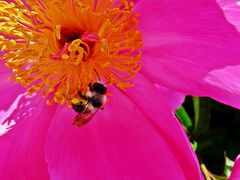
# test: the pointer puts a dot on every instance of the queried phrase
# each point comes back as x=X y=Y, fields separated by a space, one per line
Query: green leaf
x=202 y=115
x=194 y=145
x=228 y=166
x=184 y=118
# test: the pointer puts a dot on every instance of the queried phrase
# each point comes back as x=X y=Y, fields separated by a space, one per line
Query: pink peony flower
x=136 y=136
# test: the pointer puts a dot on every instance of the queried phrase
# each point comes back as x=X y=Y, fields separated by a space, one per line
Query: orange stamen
x=56 y=46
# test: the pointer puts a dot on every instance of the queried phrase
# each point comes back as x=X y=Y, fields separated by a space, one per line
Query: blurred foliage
x=214 y=131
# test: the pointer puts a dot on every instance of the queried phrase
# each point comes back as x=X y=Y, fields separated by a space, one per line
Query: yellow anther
x=58 y=32
x=65 y=56
x=104 y=45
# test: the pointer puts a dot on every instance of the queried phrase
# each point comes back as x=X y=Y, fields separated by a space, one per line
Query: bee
x=87 y=105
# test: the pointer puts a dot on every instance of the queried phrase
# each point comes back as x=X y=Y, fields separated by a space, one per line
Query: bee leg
x=90 y=86
x=81 y=95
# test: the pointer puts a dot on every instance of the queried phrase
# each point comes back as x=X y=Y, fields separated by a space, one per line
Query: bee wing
x=84 y=117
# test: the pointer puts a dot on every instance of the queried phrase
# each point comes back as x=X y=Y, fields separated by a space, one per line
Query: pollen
x=59 y=47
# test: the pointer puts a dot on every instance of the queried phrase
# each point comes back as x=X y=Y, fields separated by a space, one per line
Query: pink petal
x=183 y=41
x=10 y=88
x=228 y=76
x=231 y=10
x=3 y=68
x=135 y=137
x=235 y=175
x=9 y=91
x=174 y=98
x=10 y=96
x=227 y=81
x=22 y=148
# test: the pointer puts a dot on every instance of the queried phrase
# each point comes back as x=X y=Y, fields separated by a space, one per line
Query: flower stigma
x=59 y=47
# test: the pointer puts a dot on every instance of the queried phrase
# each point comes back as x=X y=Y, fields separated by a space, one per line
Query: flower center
x=60 y=47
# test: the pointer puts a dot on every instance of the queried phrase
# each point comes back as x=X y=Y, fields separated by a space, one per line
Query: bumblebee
x=87 y=105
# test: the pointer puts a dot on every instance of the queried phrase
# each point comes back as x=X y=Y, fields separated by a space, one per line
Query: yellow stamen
x=57 y=47
x=58 y=32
